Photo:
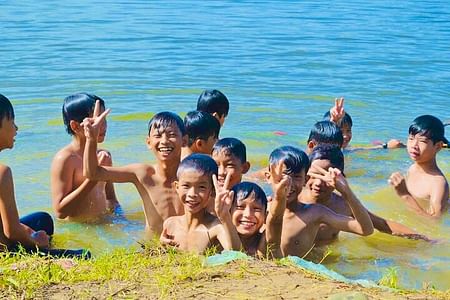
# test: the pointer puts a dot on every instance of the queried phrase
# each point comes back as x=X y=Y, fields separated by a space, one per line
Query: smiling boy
x=166 y=136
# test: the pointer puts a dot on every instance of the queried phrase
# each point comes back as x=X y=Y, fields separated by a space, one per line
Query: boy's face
x=8 y=131
x=248 y=216
x=208 y=145
x=166 y=142
x=297 y=181
x=319 y=189
x=347 y=134
x=421 y=148
x=194 y=190
x=228 y=163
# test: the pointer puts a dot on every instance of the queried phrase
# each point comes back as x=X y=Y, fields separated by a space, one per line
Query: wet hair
x=200 y=125
x=213 y=101
x=198 y=162
x=326 y=132
x=77 y=107
x=294 y=159
x=332 y=153
x=346 y=120
x=244 y=189
x=165 y=119
x=429 y=126
x=231 y=146
x=6 y=109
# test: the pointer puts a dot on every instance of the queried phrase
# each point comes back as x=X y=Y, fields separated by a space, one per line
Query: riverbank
x=158 y=273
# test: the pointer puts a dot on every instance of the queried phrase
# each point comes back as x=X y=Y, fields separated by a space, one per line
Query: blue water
x=281 y=63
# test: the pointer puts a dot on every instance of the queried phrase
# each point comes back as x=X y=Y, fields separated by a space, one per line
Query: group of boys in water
x=194 y=197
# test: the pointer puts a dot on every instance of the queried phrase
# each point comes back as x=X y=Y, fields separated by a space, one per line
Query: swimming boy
x=317 y=190
x=75 y=197
x=33 y=230
x=197 y=229
x=166 y=136
x=202 y=130
x=301 y=222
x=215 y=103
x=338 y=116
x=424 y=180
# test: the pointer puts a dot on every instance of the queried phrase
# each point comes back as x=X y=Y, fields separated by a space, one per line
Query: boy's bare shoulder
x=142 y=170
x=65 y=154
x=5 y=171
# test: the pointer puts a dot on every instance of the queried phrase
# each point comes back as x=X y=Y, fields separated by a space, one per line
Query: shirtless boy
x=198 y=230
x=425 y=188
x=202 y=130
x=301 y=222
x=317 y=190
x=32 y=232
x=166 y=136
x=75 y=197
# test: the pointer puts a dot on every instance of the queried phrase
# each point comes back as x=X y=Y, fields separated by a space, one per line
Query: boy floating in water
x=424 y=180
x=75 y=197
x=34 y=230
x=166 y=136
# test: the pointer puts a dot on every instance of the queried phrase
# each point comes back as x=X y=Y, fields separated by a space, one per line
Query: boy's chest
x=419 y=186
x=195 y=240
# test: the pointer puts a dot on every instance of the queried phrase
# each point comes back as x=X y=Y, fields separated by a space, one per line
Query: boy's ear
x=198 y=144
x=439 y=145
x=245 y=167
x=310 y=146
x=175 y=184
x=75 y=126
x=147 y=141
x=267 y=175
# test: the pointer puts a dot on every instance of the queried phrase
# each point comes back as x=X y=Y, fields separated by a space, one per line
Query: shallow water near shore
x=280 y=64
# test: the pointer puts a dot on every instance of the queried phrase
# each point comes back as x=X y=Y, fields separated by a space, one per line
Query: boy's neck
x=193 y=220
x=167 y=169
x=427 y=166
x=185 y=152
x=78 y=143
x=250 y=242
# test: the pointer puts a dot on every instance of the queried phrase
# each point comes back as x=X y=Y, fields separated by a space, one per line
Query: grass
x=151 y=271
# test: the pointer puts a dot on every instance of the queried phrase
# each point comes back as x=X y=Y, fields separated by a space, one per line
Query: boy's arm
x=281 y=185
x=105 y=159
x=12 y=228
x=65 y=199
x=438 y=195
x=228 y=236
x=361 y=224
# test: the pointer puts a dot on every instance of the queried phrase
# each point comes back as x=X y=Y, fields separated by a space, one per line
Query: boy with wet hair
x=230 y=154
x=425 y=183
x=33 y=231
x=215 y=103
x=318 y=190
x=198 y=230
x=324 y=132
x=202 y=130
x=75 y=197
x=166 y=136
x=301 y=222
x=339 y=116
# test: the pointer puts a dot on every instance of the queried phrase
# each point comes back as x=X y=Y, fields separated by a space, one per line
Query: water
x=280 y=63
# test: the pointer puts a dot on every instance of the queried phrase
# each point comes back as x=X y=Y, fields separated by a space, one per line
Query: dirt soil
x=254 y=280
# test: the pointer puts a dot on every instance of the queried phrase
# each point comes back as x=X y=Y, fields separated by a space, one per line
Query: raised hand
x=337 y=112
x=332 y=178
x=399 y=183
x=281 y=183
x=394 y=143
x=92 y=124
x=224 y=198
x=168 y=240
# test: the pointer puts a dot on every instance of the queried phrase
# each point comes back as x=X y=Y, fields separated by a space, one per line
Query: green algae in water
x=131 y=117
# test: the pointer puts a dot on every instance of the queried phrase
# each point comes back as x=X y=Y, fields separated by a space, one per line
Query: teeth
x=247 y=223
x=165 y=149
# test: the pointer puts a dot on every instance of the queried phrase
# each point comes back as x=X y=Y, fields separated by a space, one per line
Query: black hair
x=200 y=125
x=231 y=146
x=213 y=101
x=6 y=109
x=346 y=120
x=326 y=132
x=293 y=158
x=165 y=119
x=201 y=163
x=429 y=126
x=332 y=153
x=244 y=189
x=77 y=107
